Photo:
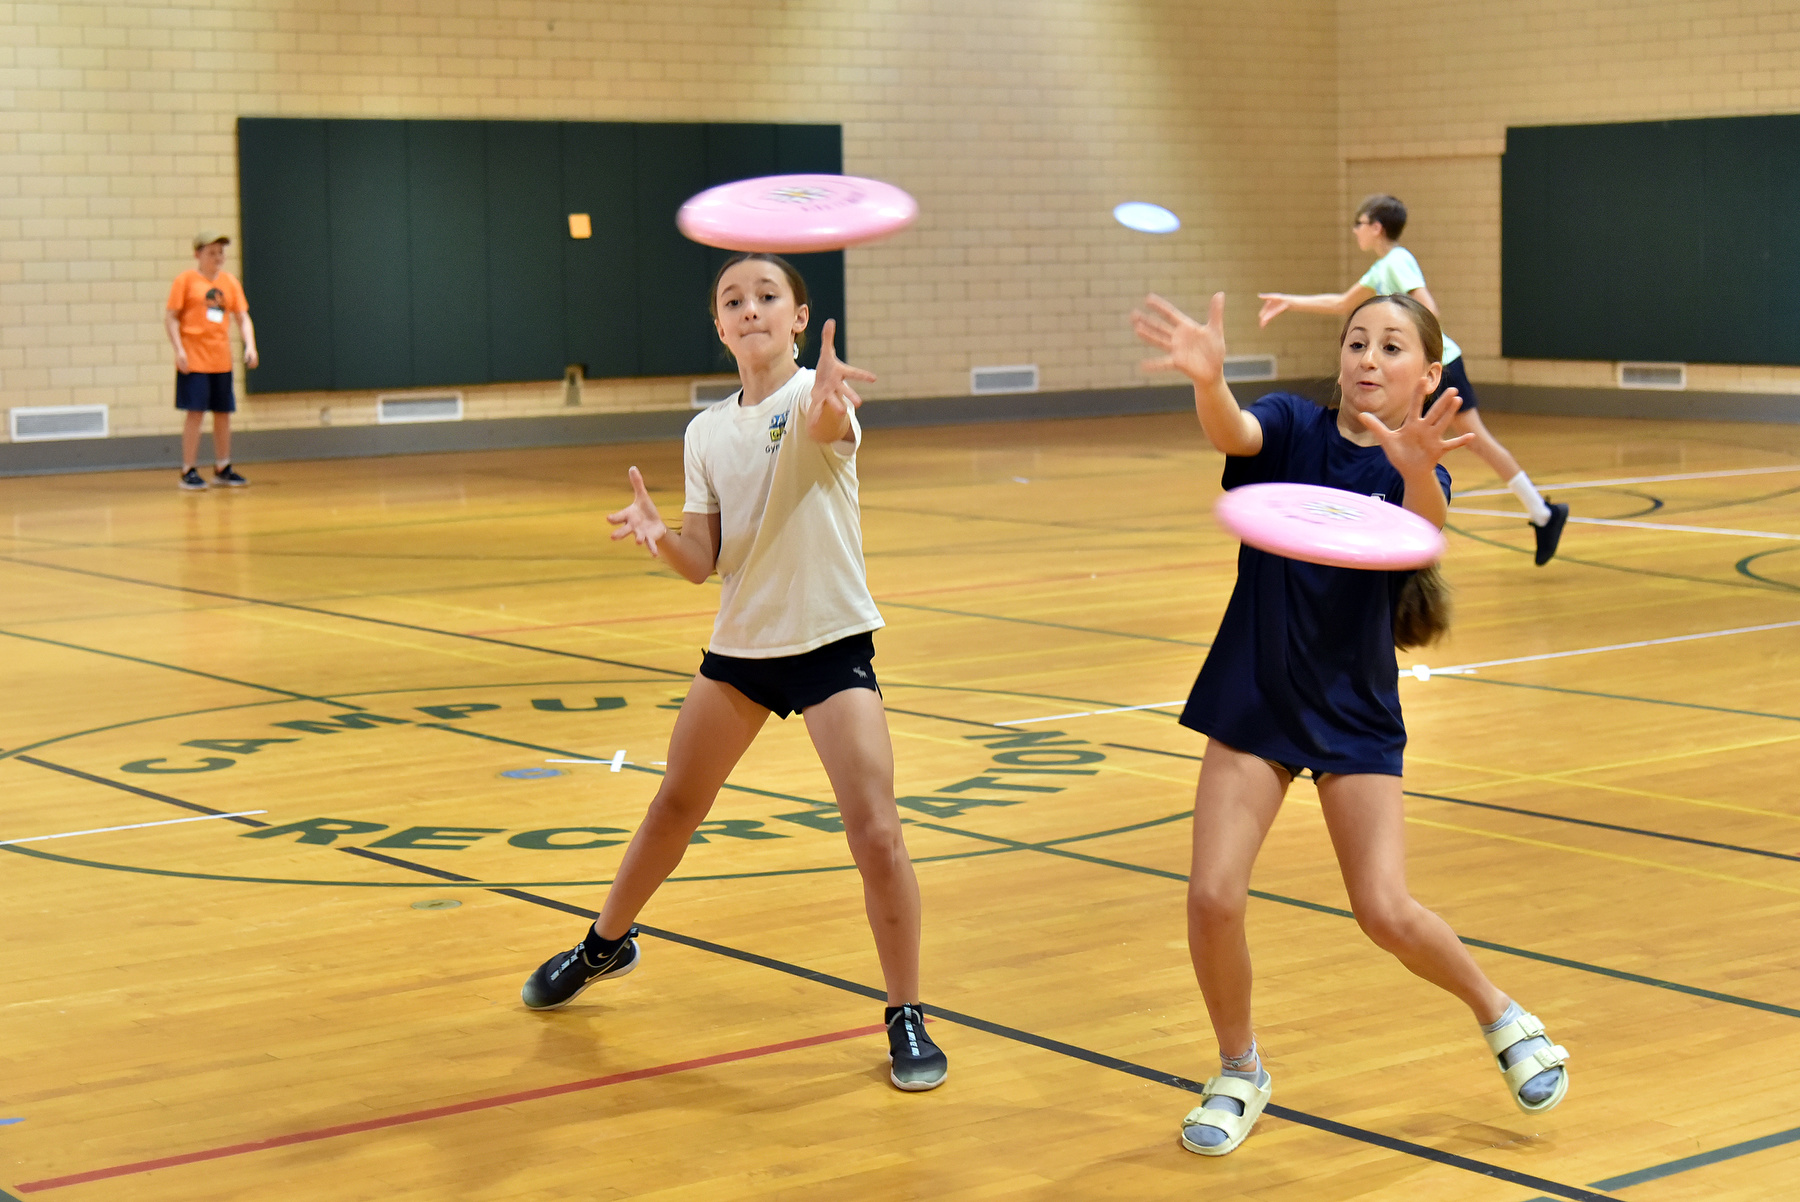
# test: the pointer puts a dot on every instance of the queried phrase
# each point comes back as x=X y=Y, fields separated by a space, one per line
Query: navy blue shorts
x=1455 y=376
x=205 y=391
x=790 y=684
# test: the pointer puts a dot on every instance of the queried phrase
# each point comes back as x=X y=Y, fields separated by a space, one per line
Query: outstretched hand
x=639 y=519
x=832 y=396
x=1196 y=351
x=1416 y=447
x=1274 y=305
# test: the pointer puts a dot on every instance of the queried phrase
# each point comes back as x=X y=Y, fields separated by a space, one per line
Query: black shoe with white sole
x=560 y=979
x=1550 y=533
x=918 y=1064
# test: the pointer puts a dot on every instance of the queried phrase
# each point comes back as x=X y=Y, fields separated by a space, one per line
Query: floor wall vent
x=46 y=423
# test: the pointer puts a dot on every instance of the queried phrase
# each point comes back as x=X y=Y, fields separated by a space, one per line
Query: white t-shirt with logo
x=790 y=547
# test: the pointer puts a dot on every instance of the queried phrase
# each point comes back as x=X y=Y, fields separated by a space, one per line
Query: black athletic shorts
x=200 y=391
x=1457 y=377
x=789 y=684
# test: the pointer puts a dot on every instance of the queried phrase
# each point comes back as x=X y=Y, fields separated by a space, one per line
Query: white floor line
x=1453 y=670
x=1090 y=713
x=1679 y=638
x=1741 y=471
x=618 y=760
x=578 y=761
x=1501 y=513
x=136 y=826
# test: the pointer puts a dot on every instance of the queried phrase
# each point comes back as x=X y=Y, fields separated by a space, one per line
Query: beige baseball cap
x=208 y=237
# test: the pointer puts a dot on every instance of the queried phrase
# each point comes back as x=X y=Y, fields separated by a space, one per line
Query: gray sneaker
x=918 y=1064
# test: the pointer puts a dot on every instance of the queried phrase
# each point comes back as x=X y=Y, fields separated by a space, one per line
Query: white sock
x=1521 y=487
x=1212 y=1137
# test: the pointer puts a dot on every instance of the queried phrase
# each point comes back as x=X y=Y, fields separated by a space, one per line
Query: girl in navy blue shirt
x=1303 y=675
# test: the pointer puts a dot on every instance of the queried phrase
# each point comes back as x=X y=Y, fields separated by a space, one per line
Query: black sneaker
x=227 y=477
x=1550 y=533
x=918 y=1063
x=560 y=979
x=191 y=480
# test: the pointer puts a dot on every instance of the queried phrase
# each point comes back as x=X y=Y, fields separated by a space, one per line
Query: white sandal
x=1527 y=1026
x=1235 y=1126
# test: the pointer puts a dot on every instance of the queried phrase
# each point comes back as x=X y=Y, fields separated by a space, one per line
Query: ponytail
x=1422 y=613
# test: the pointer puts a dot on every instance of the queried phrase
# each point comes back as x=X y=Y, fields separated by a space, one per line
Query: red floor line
x=437 y=1112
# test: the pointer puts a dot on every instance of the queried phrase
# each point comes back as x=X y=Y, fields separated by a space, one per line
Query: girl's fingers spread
x=1163 y=308
x=1215 y=312
x=850 y=395
x=1166 y=363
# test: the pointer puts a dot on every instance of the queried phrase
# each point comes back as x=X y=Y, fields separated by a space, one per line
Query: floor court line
x=1678 y=529
x=1717 y=475
x=1700 y=1160
x=438 y=1112
x=1456 y=669
x=135 y=826
x=1676 y=638
x=1100 y=1059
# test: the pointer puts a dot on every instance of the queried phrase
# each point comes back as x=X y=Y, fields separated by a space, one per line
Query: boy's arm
x=172 y=326
x=1277 y=303
x=249 y=333
x=1422 y=294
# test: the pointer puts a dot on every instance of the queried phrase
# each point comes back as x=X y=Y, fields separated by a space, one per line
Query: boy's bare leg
x=850 y=732
x=1486 y=446
x=190 y=439
x=221 y=437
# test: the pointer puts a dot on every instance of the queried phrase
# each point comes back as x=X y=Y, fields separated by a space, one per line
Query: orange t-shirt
x=203 y=304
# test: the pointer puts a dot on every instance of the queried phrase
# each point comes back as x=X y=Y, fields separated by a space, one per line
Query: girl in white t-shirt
x=1380 y=220
x=772 y=507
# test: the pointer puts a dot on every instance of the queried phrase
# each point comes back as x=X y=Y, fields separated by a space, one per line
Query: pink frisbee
x=1328 y=526
x=795 y=214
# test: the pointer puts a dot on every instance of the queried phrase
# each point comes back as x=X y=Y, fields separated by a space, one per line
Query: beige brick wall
x=1016 y=123
x=1428 y=87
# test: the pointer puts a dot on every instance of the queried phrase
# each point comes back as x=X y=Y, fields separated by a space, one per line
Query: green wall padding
x=1671 y=241
x=396 y=254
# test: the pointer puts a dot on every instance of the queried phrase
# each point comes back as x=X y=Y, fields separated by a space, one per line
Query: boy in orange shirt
x=199 y=302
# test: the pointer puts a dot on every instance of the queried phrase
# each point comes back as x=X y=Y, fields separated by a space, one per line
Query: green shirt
x=1396 y=274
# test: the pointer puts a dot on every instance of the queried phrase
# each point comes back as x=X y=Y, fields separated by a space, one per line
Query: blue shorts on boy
x=204 y=392
x=1303 y=670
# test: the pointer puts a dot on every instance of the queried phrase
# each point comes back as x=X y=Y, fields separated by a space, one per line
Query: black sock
x=596 y=949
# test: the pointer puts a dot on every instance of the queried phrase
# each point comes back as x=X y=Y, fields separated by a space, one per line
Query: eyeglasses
x=1362 y=221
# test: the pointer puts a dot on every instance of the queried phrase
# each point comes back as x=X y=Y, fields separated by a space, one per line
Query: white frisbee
x=1146 y=218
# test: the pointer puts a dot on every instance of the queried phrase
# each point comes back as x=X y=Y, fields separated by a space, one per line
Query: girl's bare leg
x=1235 y=803
x=1365 y=816
x=715 y=727
x=849 y=730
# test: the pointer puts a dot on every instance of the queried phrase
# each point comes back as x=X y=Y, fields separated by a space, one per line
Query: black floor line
x=1098 y=1059
x=1611 y=826
x=153 y=663
x=141 y=792
x=1712 y=995
x=1565 y=818
x=1376 y=1139
x=348 y=617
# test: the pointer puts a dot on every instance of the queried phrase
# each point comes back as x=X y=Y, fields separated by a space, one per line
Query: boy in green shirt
x=1379 y=223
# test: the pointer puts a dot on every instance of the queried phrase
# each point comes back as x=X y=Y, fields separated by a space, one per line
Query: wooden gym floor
x=318 y=1001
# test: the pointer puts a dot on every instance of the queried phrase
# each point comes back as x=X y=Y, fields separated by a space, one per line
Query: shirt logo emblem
x=777 y=427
